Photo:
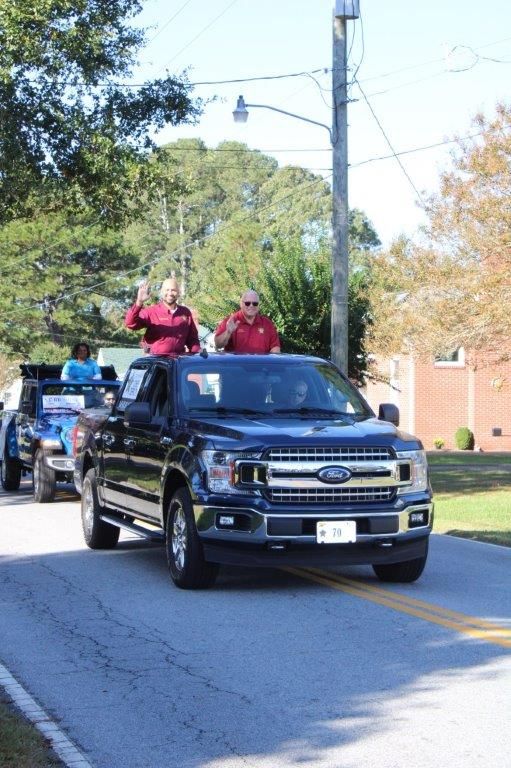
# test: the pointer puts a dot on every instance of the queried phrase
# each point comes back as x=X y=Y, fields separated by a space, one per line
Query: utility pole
x=344 y=9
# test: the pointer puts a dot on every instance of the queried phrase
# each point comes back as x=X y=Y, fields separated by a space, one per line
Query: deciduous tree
x=452 y=288
x=67 y=124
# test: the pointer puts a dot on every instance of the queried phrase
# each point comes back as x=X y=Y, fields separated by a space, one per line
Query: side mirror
x=26 y=407
x=137 y=413
x=389 y=412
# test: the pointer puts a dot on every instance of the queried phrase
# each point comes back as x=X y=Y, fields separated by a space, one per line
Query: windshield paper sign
x=133 y=384
x=63 y=403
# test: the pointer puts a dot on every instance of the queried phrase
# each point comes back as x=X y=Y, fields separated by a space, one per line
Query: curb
x=59 y=742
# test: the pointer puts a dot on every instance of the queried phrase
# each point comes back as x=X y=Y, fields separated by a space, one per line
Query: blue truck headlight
x=51 y=442
x=419 y=471
x=221 y=470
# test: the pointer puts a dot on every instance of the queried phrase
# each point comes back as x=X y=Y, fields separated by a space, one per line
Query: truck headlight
x=419 y=471
x=51 y=442
x=220 y=468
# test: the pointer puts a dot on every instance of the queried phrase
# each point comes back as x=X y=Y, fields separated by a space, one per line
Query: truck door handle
x=129 y=442
x=166 y=441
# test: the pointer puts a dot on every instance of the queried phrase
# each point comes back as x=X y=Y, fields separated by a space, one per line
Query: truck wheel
x=10 y=472
x=97 y=533
x=43 y=479
x=405 y=572
x=185 y=557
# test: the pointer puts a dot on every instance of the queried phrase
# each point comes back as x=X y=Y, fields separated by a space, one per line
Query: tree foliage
x=453 y=288
x=53 y=271
x=67 y=126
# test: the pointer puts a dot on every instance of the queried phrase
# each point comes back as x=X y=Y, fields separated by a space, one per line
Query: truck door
x=116 y=440
x=145 y=452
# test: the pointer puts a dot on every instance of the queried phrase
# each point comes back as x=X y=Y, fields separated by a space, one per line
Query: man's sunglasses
x=248 y=303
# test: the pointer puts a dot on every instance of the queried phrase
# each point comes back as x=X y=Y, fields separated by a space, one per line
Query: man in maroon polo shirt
x=247 y=330
x=170 y=328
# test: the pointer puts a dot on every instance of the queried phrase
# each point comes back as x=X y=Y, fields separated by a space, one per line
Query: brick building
x=437 y=397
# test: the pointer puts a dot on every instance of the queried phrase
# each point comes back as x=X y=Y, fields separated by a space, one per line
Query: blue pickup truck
x=265 y=460
x=37 y=437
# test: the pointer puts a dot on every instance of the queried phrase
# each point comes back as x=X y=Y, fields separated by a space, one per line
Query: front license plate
x=336 y=532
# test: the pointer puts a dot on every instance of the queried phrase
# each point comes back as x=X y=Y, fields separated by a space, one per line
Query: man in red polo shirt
x=247 y=330
x=170 y=328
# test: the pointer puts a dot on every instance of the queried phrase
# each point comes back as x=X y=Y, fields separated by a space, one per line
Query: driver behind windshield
x=298 y=392
x=291 y=395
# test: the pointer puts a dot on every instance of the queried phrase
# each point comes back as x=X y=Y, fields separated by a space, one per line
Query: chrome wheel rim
x=87 y=508
x=37 y=475
x=179 y=538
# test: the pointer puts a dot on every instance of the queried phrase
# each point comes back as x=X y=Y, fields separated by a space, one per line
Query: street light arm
x=291 y=114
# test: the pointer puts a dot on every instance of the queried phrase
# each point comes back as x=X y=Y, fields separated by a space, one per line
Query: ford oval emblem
x=334 y=475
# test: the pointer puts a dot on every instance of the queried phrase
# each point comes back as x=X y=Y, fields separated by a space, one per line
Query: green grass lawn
x=448 y=458
x=472 y=494
x=21 y=744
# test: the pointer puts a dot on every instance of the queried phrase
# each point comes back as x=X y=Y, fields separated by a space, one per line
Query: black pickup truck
x=37 y=436
x=254 y=460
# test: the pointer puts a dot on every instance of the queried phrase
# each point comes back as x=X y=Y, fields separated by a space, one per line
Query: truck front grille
x=338 y=495
x=328 y=455
x=301 y=475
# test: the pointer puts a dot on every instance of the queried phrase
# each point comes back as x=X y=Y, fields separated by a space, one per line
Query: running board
x=138 y=530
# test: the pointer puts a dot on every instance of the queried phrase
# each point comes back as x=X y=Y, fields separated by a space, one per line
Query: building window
x=452 y=359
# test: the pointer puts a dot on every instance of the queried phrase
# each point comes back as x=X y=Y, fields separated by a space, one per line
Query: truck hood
x=57 y=426
x=245 y=433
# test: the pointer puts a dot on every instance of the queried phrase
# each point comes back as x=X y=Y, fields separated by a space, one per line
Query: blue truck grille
x=329 y=495
x=328 y=455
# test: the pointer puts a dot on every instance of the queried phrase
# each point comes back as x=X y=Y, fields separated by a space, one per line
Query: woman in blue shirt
x=80 y=365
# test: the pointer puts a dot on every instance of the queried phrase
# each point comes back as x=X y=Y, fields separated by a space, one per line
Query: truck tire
x=97 y=533
x=405 y=572
x=185 y=557
x=43 y=479
x=10 y=472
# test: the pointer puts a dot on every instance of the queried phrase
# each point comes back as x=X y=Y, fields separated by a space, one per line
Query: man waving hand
x=247 y=330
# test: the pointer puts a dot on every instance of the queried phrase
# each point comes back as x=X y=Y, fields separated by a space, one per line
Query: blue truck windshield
x=274 y=388
x=72 y=398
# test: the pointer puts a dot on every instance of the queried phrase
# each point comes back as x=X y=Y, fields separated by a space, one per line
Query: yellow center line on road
x=459 y=622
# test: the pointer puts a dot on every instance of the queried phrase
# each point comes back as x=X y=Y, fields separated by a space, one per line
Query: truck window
x=132 y=387
x=158 y=395
x=29 y=395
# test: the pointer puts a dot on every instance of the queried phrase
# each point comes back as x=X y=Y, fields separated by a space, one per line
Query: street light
x=240 y=114
x=343 y=10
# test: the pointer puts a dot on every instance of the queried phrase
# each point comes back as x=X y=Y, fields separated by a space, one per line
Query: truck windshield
x=72 y=398
x=298 y=387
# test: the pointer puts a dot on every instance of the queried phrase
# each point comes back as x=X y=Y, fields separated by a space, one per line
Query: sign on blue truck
x=37 y=436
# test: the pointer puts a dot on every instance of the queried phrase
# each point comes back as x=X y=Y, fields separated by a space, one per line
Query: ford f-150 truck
x=37 y=436
x=255 y=460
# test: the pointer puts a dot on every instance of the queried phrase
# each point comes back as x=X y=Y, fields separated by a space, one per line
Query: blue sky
x=425 y=68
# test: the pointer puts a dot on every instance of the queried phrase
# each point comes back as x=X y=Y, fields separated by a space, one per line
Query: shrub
x=464 y=439
x=439 y=442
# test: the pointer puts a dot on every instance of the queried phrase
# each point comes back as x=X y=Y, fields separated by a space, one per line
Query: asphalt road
x=270 y=668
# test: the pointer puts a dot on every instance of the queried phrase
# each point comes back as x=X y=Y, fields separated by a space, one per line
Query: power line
x=427 y=63
x=204 y=29
x=169 y=22
x=419 y=196
x=415 y=149
x=255 y=78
